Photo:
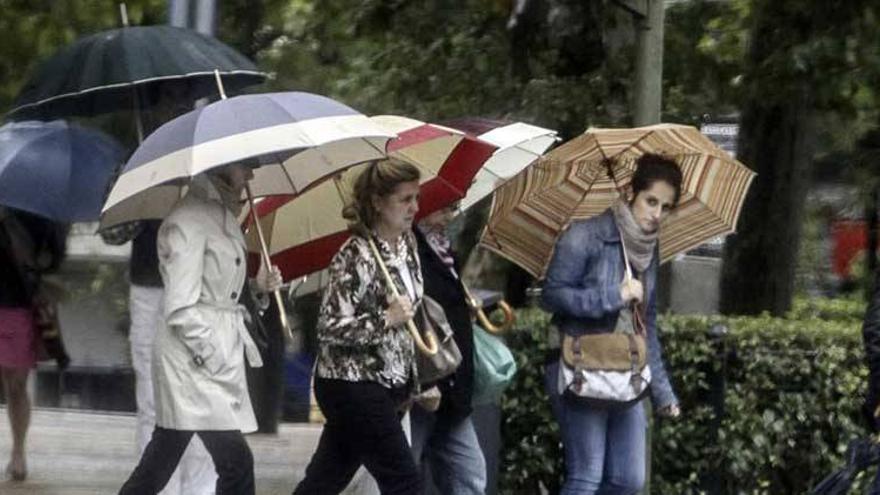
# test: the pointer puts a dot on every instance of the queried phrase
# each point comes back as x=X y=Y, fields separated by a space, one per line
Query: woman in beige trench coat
x=198 y=357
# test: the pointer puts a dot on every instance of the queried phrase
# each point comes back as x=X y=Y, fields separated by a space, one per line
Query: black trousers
x=228 y=449
x=363 y=428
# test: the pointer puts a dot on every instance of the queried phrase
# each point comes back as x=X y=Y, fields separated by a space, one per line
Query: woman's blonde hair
x=377 y=180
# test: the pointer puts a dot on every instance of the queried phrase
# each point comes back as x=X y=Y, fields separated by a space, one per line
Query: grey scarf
x=639 y=245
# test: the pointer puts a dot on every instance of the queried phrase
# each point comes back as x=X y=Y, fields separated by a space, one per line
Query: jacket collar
x=201 y=187
x=606 y=227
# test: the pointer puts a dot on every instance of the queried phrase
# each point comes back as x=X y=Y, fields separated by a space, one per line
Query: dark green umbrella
x=97 y=74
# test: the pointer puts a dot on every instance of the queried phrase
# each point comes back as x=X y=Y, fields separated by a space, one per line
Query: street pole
x=648 y=90
x=178 y=13
x=205 y=14
x=649 y=17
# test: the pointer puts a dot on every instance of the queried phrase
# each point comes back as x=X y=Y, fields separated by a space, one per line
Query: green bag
x=494 y=367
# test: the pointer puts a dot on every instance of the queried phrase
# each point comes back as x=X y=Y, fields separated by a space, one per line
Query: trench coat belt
x=251 y=352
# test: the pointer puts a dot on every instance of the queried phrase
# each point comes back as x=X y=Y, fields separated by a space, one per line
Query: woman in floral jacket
x=366 y=367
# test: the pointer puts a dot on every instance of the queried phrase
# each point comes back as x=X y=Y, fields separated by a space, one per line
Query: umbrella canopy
x=295 y=138
x=304 y=232
x=518 y=145
x=96 y=74
x=572 y=183
x=56 y=170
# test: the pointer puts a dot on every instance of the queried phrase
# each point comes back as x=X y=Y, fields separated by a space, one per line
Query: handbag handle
x=428 y=348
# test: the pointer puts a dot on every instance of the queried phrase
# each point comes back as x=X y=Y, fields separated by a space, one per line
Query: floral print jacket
x=354 y=342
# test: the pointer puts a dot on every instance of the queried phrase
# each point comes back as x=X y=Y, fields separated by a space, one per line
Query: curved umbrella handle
x=509 y=319
x=428 y=348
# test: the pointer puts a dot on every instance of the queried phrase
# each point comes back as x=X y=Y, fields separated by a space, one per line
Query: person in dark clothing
x=871 y=338
x=366 y=369
x=445 y=440
x=30 y=246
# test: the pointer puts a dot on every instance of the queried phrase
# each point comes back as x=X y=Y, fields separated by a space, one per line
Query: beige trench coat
x=198 y=355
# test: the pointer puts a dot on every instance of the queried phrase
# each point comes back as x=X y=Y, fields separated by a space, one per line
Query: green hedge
x=792 y=398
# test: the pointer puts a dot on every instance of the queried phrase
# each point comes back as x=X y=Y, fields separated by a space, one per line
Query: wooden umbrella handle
x=509 y=317
x=264 y=251
x=428 y=348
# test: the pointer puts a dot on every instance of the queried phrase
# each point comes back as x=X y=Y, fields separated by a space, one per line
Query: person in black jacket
x=446 y=439
x=871 y=337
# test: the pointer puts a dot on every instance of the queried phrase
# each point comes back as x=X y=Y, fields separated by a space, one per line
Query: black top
x=47 y=237
x=144 y=262
x=445 y=288
x=871 y=336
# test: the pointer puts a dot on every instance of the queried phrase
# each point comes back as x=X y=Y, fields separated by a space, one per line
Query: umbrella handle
x=264 y=250
x=509 y=317
x=428 y=348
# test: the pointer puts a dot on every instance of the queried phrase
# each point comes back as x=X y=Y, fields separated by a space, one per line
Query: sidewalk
x=79 y=453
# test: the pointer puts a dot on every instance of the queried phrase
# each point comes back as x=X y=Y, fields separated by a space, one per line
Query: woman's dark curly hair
x=651 y=168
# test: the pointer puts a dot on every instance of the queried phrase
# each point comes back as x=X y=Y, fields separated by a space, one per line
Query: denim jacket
x=582 y=290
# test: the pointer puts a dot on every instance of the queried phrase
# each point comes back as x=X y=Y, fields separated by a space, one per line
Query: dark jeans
x=363 y=427
x=230 y=452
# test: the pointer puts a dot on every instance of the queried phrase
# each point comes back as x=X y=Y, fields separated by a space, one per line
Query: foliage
x=33 y=30
x=791 y=398
x=432 y=62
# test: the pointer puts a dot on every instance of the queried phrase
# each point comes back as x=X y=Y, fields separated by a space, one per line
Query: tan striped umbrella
x=572 y=183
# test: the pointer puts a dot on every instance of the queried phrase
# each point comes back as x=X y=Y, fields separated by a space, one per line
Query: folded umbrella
x=56 y=170
x=861 y=453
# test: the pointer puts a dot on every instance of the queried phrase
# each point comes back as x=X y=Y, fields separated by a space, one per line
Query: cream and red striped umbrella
x=572 y=182
x=305 y=231
x=519 y=144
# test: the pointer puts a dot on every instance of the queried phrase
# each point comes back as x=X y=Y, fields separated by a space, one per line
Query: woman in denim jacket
x=586 y=291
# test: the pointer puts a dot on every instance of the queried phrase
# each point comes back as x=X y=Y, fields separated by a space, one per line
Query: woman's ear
x=375 y=201
x=628 y=194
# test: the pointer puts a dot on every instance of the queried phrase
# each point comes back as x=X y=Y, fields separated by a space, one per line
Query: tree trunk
x=873 y=221
x=760 y=261
x=776 y=140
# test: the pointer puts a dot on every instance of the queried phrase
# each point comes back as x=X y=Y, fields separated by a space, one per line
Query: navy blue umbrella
x=56 y=170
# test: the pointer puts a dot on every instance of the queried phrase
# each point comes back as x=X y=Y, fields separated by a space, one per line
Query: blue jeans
x=451 y=451
x=604 y=449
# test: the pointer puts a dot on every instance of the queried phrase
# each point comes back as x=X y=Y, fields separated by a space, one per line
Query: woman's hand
x=631 y=290
x=268 y=280
x=670 y=411
x=400 y=311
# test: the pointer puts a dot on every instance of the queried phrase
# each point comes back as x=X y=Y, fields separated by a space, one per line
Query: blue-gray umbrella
x=298 y=138
x=56 y=170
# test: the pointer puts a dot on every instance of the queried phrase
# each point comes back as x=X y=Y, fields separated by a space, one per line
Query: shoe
x=16 y=474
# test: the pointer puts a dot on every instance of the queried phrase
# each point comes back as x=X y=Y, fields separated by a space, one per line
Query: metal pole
x=205 y=14
x=649 y=65
x=178 y=13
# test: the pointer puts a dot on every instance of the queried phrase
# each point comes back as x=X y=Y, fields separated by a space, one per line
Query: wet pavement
x=81 y=453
